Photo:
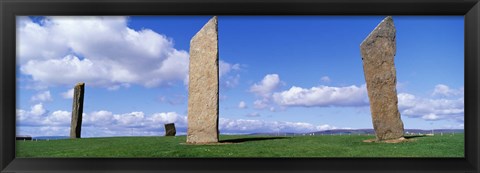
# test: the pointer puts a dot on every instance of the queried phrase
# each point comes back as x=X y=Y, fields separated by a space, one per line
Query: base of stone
x=390 y=141
x=210 y=143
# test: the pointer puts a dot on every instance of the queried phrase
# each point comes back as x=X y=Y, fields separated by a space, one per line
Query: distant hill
x=49 y=137
x=361 y=132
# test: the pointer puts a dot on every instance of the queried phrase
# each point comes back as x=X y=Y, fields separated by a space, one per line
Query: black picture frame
x=11 y=8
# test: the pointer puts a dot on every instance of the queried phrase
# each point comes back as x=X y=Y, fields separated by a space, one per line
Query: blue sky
x=277 y=73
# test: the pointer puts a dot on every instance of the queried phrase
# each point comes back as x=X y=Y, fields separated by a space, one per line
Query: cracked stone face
x=203 y=85
x=378 y=52
x=77 y=110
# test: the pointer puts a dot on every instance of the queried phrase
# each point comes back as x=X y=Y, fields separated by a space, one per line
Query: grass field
x=244 y=146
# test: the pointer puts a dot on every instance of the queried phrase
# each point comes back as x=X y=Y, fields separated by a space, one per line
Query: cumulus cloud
x=101 y=51
x=444 y=90
x=58 y=118
x=265 y=87
x=39 y=116
x=260 y=104
x=42 y=96
x=37 y=110
x=242 y=105
x=431 y=109
x=230 y=81
x=68 y=94
x=261 y=126
x=38 y=120
x=253 y=114
x=228 y=74
x=325 y=79
x=224 y=68
x=168 y=117
x=323 y=96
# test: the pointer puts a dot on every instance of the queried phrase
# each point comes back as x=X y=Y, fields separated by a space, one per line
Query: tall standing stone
x=77 y=110
x=170 y=129
x=203 y=85
x=378 y=52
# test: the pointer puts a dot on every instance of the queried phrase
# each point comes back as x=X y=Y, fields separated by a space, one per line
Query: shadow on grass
x=414 y=136
x=240 y=140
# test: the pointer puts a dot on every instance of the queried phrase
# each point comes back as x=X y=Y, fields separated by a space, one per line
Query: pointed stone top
x=210 y=27
x=385 y=29
x=80 y=83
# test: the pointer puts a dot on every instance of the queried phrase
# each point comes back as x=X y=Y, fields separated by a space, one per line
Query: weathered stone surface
x=378 y=52
x=77 y=110
x=170 y=129
x=203 y=85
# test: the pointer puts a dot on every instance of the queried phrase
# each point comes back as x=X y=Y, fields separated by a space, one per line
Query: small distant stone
x=170 y=129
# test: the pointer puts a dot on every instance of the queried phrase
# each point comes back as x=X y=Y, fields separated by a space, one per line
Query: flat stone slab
x=203 y=85
x=378 y=52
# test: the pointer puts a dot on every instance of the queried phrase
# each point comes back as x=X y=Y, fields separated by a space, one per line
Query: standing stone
x=77 y=110
x=378 y=52
x=203 y=85
x=170 y=129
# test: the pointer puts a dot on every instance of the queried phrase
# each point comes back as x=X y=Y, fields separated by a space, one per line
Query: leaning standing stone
x=170 y=129
x=77 y=110
x=203 y=85
x=378 y=52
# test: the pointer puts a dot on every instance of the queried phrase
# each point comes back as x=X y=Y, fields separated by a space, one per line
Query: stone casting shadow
x=414 y=136
x=240 y=140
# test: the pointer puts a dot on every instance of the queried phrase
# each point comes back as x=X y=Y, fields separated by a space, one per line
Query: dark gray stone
x=77 y=111
x=170 y=129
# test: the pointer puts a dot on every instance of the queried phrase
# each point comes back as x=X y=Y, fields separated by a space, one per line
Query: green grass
x=244 y=146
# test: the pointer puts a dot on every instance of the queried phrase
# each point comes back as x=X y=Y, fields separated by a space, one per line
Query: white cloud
x=68 y=94
x=42 y=96
x=230 y=81
x=325 y=79
x=60 y=118
x=260 y=104
x=430 y=117
x=99 y=118
x=105 y=123
x=130 y=119
x=101 y=51
x=168 y=117
x=37 y=110
x=433 y=108
x=224 y=67
x=39 y=116
x=268 y=84
x=227 y=79
x=37 y=121
x=323 y=96
x=259 y=126
x=242 y=105
x=444 y=90
x=253 y=114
